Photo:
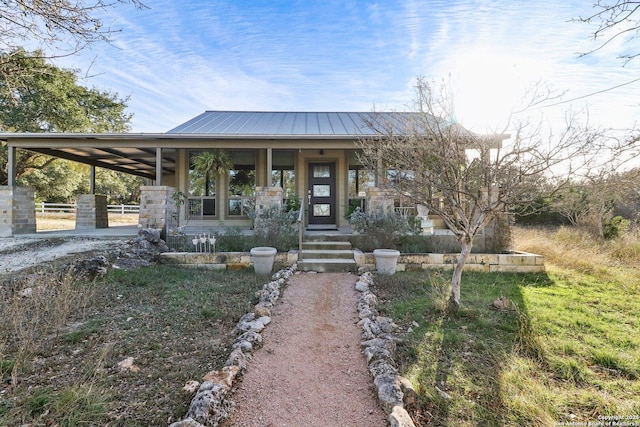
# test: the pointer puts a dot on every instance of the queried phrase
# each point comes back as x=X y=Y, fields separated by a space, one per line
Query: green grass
x=568 y=350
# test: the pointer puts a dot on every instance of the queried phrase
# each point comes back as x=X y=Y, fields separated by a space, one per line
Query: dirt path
x=310 y=371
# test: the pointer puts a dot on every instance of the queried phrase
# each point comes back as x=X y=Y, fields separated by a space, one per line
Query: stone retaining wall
x=221 y=260
x=515 y=262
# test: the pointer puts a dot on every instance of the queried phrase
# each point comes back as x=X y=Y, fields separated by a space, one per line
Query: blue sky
x=179 y=58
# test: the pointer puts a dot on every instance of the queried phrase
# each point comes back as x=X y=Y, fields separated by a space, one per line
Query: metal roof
x=135 y=153
x=279 y=123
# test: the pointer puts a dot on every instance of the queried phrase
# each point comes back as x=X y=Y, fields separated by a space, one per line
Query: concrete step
x=327 y=254
x=326 y=246
x=328 y=265
x=324 y=237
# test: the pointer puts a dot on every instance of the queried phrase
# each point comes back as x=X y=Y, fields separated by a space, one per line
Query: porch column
x=379 y=199
x=269 y=167
x=92 y=179
x=159 y=166
x=11 y=166
x=156 y=206
x=92 y=212
x=17 y=210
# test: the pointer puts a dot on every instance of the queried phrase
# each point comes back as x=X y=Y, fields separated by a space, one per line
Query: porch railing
x=300 y=228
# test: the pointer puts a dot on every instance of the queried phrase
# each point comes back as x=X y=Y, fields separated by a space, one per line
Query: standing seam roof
x=276 y=123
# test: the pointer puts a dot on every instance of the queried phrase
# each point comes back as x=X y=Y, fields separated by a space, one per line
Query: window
x=242 y=182
x=283 y=175
x=201 y=200
x=359 y=179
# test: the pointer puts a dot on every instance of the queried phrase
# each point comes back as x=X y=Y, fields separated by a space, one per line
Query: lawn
x=567 y=350
x=116 y=352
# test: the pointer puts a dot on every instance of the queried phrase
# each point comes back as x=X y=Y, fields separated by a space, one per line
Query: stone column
x=267 y=197
x=379 y=199
x=92 y=212
x=156 y=206
x=17 y=211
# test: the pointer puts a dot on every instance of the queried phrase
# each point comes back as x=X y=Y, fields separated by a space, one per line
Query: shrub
x=379 y=229
x=615 y=227
x=233 y=240
x=276 y=227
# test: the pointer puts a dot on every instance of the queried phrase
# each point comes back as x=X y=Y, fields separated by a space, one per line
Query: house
x=276 y=156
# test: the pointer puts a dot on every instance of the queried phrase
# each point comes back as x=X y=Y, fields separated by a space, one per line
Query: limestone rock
x=386 y=324
x=187 y=422
x=262 y=310
x=252 y=337
x=502 y=304
x=382 y=367
x=127 y=365
x=226 y=376
x=238 y=358
x=377 y=353
x=191 y=387
x=389 y=392
x=209 y=407
x=361 y=286
x=410 y=398
x=243 y=345
x=399 y=417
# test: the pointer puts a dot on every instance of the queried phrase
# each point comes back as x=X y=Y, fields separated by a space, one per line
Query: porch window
x=201 y=200
x=359 y=179
x=242 y=183
x=283 y=175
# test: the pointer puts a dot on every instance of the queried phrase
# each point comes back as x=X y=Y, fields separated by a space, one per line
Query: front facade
x=311 y=156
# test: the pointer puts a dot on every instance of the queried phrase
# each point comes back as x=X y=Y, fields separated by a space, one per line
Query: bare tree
x=63 y=26
x=465 y=178
x=615 y=19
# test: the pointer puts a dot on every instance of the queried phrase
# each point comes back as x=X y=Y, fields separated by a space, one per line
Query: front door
x=322 y=192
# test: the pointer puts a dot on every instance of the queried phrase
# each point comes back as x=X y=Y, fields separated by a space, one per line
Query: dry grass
x=54 y=221
x=61 y=343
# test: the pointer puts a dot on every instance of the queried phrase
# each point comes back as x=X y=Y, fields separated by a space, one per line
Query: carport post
x=11 y=166
x=92 y=179
x=158 y=166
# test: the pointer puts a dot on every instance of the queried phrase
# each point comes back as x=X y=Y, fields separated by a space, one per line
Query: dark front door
x=322 y=189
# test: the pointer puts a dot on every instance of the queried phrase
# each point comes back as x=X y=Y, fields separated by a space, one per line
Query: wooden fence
x=45 y=208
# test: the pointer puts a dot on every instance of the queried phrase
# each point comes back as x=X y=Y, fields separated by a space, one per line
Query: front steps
x=326 y=253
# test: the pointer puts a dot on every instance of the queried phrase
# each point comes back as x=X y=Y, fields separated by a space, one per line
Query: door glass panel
x=322 y=171
x=321 y=191
x=322 y=209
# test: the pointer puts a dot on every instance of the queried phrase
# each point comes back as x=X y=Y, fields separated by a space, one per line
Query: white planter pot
x=386 y=260
x=263 y=257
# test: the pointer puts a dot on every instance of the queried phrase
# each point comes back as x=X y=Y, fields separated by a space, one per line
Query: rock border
x=210 y=405
x=395 y=393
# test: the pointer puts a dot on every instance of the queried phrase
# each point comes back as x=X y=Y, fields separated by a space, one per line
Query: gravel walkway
x=311 y=371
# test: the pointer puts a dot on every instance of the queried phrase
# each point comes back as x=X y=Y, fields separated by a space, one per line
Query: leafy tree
x=50 y=99
x=469 y=180
x=63 y=26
